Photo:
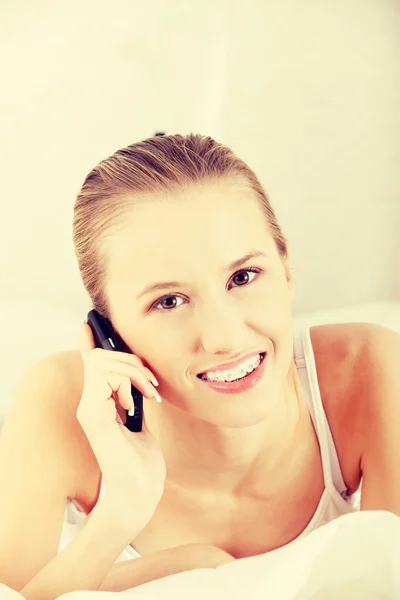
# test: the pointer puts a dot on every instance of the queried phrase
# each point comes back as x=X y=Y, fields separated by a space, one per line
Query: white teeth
x=246 y=367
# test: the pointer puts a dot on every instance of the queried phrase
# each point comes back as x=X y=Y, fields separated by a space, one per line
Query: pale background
x=307 y=93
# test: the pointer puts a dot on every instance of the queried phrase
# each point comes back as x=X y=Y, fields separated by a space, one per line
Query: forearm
x=84 y=563
x=131 y=573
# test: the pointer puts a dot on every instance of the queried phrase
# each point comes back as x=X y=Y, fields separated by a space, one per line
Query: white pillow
x=354 y=557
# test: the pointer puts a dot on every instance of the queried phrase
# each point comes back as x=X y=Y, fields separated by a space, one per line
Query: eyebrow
x=162 y=285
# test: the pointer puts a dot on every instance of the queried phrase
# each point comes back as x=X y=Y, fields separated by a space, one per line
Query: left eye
x=251 y=270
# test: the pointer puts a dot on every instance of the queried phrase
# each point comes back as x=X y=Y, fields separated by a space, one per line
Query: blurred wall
x=308 y=93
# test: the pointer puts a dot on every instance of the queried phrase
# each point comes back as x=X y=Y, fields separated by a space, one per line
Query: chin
x=237 y=415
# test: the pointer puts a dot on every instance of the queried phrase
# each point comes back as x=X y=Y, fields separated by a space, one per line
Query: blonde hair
x=159 y=165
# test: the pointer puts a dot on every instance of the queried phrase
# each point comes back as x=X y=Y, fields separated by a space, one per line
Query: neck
x=202 y=456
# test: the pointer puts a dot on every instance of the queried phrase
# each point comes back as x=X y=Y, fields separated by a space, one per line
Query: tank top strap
x=305 y=363
x=102 y=492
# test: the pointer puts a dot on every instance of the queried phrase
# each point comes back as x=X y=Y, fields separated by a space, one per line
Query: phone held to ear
x=105 y=337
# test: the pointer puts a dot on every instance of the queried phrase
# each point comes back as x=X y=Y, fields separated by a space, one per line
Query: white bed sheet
x=354 y=557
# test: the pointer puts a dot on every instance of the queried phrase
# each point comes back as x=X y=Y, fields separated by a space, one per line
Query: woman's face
x=212 y=314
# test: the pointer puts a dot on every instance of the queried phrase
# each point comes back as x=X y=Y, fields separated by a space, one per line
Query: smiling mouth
x=204 y=377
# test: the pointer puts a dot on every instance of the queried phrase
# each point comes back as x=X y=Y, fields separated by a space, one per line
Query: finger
x=105 y=385
x=124 y=394
x=123 y=357
x=151 y=376
x=135 y=375
x=120 y=411
x=126 y=399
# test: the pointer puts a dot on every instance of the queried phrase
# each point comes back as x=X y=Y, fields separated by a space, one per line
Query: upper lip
x=233 y=364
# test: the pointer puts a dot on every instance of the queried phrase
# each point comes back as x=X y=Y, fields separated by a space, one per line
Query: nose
x=221 y=329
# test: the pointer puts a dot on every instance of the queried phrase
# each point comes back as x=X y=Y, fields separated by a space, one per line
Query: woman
x=263 y=434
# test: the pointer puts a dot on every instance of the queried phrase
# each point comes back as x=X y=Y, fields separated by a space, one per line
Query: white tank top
x=334 y=501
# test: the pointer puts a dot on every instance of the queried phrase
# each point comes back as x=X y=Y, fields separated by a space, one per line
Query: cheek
x=272 y=302
x=272 y=312
x=165 y=353
x=153 y=350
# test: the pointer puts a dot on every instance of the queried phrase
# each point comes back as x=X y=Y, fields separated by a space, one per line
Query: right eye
x=165 y=309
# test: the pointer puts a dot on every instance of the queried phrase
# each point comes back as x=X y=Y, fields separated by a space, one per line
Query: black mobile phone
x=107 y=338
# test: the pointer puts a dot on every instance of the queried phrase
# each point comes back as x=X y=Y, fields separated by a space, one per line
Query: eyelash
x=251 y=269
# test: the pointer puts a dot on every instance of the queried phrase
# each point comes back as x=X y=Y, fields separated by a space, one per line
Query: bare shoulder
x=338 y=350
x=69 y=362
x=341 y=352
x=344 y=351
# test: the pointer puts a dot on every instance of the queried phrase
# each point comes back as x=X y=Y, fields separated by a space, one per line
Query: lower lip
x=241 y=385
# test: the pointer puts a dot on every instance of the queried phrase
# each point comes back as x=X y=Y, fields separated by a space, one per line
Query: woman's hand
x=132 y=464
x=197 y=556
x=131 y=573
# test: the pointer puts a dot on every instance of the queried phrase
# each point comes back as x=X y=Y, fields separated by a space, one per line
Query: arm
x=38 y=470
x=84 y=563
x=380 y=418
x=39 y=443
x=131 y=573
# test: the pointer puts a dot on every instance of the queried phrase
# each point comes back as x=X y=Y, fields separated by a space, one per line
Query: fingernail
x=154 y=381
x=131 y=411
x=157 y=396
